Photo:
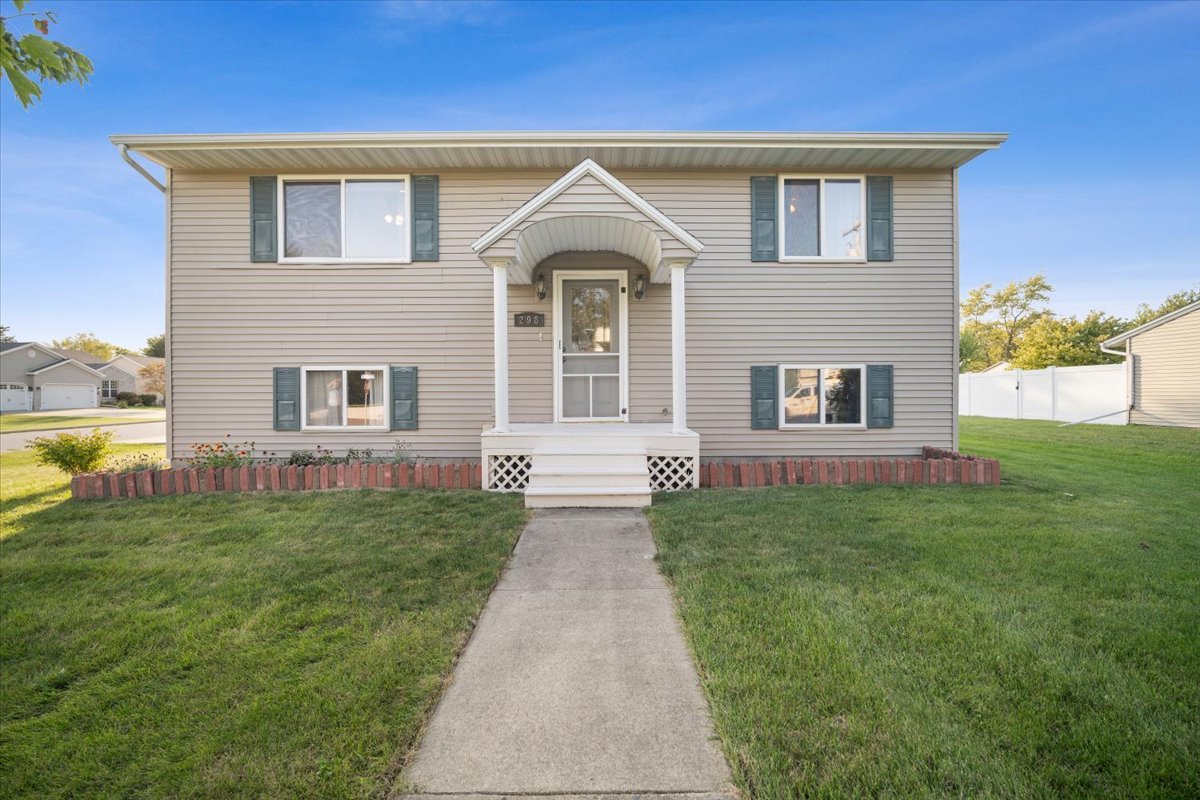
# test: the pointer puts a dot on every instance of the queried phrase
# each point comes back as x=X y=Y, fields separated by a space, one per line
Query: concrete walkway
x=577 y=679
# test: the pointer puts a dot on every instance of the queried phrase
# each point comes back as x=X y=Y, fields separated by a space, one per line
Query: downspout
x=124 y=150
x=1128 y=356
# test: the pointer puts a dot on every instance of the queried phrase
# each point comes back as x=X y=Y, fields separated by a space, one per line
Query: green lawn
x=17 y=423
x=1038 y=639
x=221 y=646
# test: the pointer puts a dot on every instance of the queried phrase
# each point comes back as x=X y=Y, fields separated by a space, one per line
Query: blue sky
x=1099 y=186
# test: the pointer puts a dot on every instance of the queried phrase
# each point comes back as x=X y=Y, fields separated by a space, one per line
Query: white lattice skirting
x=508 y=473
x=671 y=473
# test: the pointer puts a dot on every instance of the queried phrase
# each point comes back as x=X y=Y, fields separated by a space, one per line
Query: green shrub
x=222 y=454
x=73 y=453
x=147 y=399
x=122 y=404
x=130 y=398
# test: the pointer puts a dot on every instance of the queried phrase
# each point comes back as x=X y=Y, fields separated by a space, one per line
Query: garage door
x=14 y=397
x=63 y=395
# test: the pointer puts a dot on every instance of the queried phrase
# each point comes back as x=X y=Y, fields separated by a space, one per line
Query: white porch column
x=678 y=352
x=500 y=336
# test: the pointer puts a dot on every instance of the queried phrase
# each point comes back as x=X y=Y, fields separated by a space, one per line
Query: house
x=591 y=314
x=1163 y=365
x=124 y=374
x=35 y=377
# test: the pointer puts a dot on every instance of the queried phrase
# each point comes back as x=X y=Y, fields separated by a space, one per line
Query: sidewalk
x=577 y=679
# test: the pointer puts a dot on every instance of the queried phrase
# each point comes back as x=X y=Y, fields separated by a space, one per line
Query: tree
x=88 y=343
x=156 y=346
x=34 y=58
x=5 y=336
x=1001 y=317
x=972 y=352
x=1173 y=303
x=155 y=376
x=1067 y=341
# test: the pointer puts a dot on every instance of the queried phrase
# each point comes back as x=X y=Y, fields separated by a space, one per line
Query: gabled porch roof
x=587 y=210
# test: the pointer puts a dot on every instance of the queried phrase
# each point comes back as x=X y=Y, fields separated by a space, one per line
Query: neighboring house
x=1163 y=358
x=999 y=366
x=35 y=377
x=589 y=313
x=123 y=374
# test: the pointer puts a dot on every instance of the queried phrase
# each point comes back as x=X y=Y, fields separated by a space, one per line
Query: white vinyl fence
x=1067 y=394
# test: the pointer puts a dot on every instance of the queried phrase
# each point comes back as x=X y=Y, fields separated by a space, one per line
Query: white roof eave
x=509 y=148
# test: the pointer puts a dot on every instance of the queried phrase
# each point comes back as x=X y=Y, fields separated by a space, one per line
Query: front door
x=591 y=347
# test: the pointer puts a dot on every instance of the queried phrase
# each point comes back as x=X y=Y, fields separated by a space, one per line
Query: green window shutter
x=764 y=391
x=764 y=221
x=879 y=218
x=879 y=396
x=404 y=398
x=287 y=398
x=425 y=218
x=263 y=236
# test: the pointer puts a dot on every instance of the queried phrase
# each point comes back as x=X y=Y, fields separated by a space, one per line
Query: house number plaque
x=529 y=319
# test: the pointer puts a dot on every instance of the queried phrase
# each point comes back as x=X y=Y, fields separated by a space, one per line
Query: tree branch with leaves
x=34 y=58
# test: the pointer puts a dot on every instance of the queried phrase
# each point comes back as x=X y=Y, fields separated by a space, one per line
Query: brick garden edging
x=356 y=475
x=935 y=465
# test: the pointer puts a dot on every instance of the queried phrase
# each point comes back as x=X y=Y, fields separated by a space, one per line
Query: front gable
x=113 y=371
x=589 y=210
x=21 y=360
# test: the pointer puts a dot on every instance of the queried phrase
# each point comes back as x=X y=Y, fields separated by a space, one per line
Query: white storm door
x=591 y=344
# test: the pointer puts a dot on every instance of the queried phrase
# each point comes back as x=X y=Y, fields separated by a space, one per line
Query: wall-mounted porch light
x=539 y=286
x=639 y=287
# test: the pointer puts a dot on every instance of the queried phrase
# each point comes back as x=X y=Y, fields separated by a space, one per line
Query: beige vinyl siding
x=231 y=320
x=1166 y=373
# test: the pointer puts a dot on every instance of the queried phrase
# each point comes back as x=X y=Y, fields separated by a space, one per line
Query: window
x=821 y=395
x=345 y=219
x=345 y=397
x=822 y=218
x=109 y=389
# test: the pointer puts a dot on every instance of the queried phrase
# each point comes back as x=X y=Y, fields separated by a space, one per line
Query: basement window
x=830 y=396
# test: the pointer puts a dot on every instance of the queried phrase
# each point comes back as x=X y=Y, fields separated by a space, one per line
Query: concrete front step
x=588 y=476
x=636 y=496
x=605 y=475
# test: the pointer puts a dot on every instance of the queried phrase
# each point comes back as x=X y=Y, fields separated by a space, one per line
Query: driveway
x=577 y=679
x=150 y=432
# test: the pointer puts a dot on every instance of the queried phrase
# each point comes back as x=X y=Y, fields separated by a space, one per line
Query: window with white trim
x=822 y=218
x=821 y=395
x=345 y=219
x=109 y=389
x=352 y=398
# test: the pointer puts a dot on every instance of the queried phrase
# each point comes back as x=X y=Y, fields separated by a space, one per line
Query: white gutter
x=124 y=150
x=986 y=141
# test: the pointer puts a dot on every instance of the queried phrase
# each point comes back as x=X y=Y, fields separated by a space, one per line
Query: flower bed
x=276 y=478
x=935 y=465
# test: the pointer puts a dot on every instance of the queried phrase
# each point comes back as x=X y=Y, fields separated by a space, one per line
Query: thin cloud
x=1050 y=49
x=442 y=13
